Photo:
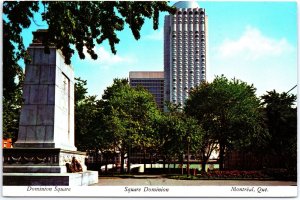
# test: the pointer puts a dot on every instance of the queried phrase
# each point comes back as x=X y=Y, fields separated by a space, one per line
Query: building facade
x=153 y=81
x=185 y=47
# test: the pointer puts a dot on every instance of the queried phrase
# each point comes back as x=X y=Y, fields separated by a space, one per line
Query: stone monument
x=45 y=141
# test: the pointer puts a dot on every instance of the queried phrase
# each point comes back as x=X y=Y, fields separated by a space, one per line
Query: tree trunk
x=203 y=165
x=164 y=163
x=129 y=157
x=122 y=162
x=182 y=165
x=106 y=162
x=221 y=159
x=114 y=163
x=204 y=162
x=144 y=161
x=151 y=161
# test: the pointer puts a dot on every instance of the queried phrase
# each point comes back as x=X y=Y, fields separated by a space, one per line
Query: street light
x=188 y=156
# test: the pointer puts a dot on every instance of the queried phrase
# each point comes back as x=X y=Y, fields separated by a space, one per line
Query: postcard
x=149 y=99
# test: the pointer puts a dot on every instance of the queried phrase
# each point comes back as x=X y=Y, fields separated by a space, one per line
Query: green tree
x=11 y=114
x=11 y=103
x=281 y=120
x=90 y=131
x=230 y=114
x=177 y=133
x=129 y=114
x=80 y=23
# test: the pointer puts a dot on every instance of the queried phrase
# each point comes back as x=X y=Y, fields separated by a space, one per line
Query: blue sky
x=252 y=41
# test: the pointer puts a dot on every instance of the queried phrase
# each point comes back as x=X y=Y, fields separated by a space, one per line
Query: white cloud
x=107 y=59
x=253 y=45
x=255 y=58
x=157 y=35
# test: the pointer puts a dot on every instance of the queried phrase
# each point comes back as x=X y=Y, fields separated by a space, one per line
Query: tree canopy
x=281 y=120
x=129 y=115
x=229 y=112
x=175 y=127
x=82 y=24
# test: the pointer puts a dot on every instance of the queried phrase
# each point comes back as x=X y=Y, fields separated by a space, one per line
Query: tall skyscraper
x=153 y=81
x=185 y=45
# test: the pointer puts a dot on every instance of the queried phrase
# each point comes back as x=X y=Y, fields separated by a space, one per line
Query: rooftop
x=146 y=74
x=186 y=4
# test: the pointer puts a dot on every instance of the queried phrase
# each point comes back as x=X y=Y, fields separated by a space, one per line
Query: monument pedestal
x=45 y=141
x=35 y=166
x=50 y=179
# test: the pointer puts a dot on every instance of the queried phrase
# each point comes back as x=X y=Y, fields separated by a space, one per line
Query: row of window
x=191 y=12
x=185 y=60
x=180 y=32
x=147 y=81
x=196 y=22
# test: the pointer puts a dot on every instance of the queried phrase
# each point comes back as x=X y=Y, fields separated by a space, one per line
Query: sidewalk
x=157 y=180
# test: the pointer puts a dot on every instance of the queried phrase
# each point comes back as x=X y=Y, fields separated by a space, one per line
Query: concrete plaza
x=161 y=181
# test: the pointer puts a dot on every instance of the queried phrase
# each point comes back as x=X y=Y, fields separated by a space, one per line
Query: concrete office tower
x=185 y=47
x=153 y=81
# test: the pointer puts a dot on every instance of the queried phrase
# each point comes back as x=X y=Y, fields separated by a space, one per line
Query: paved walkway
x=159 y=181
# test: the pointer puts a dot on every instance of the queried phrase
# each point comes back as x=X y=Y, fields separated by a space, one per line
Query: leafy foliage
x=11 y=114
x=230 y=114
x=80 y=23
x=129 y=115
x=177 y=128
x=89 y=130
x=281 y=120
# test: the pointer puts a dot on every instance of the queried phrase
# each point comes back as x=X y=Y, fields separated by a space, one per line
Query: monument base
x=50 y=179
x=37 y=166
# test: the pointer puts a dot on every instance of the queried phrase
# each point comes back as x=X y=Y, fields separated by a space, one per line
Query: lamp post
x=188 y=156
